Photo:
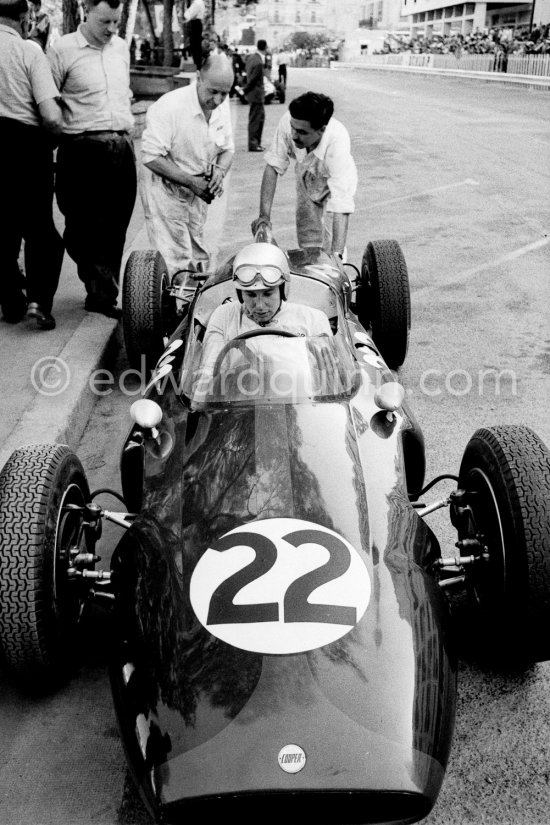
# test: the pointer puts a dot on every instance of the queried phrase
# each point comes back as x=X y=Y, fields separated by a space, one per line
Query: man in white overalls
x=186 y=150
x=326 y=177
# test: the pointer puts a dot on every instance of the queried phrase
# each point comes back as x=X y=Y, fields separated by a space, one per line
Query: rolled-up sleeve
x=281 y=150
x=42 y=81
x=224 y=134
x=342 y=180
x=56 y=65
x=156 y=140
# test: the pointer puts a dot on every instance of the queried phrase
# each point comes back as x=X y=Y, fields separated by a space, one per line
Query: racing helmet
x=261 y=266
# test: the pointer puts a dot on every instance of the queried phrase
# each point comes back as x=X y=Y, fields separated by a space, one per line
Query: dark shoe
x=110 y=310
x=15 y=311
x=257 y=149
x=44 y=320
x=47 y=321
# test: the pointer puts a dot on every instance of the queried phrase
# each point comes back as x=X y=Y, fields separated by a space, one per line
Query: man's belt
x=101 y=134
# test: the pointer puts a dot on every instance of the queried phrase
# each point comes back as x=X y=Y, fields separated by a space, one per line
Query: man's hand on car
x=263 y=220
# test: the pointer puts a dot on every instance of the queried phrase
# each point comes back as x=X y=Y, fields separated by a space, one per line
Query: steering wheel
x=252 y=333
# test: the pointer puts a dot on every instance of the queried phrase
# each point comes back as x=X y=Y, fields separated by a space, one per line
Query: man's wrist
x=222 y=169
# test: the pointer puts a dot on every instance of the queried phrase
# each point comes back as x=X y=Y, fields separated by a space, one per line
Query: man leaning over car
x=326 y=177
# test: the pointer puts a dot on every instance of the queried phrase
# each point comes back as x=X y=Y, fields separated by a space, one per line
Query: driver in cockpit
x=261 y=276
x=262 y=279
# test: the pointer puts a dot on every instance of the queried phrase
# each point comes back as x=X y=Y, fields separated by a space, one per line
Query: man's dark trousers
x=195 y=41
x=26 y=214
x=96 y=191
x=254 y=91
x=256 y=120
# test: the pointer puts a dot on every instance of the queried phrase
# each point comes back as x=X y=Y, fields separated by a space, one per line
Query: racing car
x=282 y=626
x=378 y=292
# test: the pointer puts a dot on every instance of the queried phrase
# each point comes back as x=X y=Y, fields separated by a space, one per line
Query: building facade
x=447 y=17
x=277 y=20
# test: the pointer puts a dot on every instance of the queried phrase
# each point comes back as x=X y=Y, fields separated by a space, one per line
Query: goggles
x=247 y=274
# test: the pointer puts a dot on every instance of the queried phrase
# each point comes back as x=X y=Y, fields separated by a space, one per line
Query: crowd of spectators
x=489 y=41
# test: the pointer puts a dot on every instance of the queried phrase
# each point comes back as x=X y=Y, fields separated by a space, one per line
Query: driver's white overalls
x=326 y=179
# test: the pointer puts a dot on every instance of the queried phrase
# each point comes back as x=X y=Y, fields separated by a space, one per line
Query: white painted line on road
x=462 y=277
x=446 y=187
x=467 y=182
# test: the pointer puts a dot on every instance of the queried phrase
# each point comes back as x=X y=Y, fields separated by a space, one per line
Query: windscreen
x=271 y=369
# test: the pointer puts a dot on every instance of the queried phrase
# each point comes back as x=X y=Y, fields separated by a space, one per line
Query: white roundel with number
x=280 y=586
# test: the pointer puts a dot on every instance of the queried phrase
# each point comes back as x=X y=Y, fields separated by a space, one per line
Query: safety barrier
x=533 y=64
x=317 y=62
x=467 y=62
x=528 y=64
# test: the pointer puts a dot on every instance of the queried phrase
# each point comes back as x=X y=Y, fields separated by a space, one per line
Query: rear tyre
x=506 y=473
x=383 y=300
x=148 y=308
x=40 y=606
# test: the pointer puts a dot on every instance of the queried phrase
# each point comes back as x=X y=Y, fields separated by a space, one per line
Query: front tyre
x=42 y=488
x=383 y=300
x=148 y=308
x=506 y=473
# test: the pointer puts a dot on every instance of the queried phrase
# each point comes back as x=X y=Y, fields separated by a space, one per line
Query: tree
x=304 y=40
x=71 y=16
x=167 y=34
x=127 y=18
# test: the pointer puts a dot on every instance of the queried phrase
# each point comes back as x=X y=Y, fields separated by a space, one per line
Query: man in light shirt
x=326 y=177
x=186 y=150
x=96 y=174
x=280 y=60
x=28 y=108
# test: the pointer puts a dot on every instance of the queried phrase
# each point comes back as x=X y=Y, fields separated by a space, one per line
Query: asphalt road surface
x=457 y=172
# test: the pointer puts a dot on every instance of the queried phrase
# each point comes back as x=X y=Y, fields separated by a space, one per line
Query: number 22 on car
x=280 y=586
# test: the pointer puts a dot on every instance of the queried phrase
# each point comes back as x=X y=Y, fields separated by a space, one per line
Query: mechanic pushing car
x=261 y=276
x=326 y=176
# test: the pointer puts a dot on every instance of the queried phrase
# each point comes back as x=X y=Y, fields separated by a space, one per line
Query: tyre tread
x=391 y=311
x=524 y=463
x=26 y=483
x=142 y=307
